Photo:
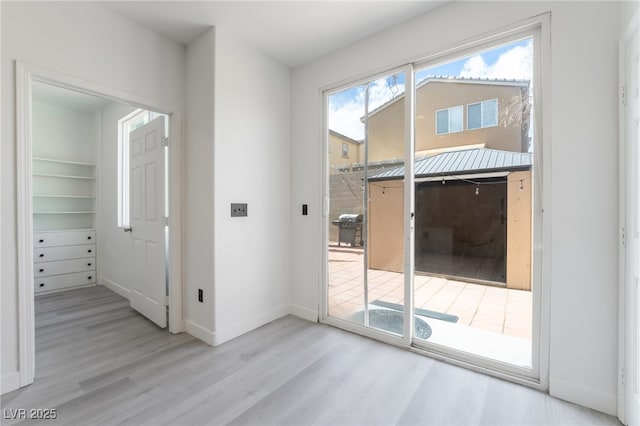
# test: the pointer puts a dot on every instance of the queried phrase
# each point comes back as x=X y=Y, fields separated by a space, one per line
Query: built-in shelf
x=51 y=160
x=65 y=176
x=64 y=212
x=63 y=196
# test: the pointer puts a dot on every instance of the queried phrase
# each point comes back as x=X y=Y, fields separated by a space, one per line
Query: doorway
x=70 y=206
x=438 y=163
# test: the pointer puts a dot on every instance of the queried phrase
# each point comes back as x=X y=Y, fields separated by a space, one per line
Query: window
x=449 y=120
x=482 y=114
x=345 y=150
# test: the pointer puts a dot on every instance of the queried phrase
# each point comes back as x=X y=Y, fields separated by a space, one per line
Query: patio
x=496 y=310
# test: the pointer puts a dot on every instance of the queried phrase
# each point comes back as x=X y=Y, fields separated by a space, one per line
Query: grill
x=350 y=226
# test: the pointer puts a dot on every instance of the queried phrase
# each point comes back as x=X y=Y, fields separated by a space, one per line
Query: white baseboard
x=200 y=332
x=251 y=324
x=304 y=313
x=10 y=382
x=590 y=398
x=121 y=290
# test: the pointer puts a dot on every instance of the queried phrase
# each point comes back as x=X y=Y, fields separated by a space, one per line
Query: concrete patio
x=490 y=309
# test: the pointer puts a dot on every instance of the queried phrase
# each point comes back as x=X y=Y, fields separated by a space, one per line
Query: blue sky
x=512 y=61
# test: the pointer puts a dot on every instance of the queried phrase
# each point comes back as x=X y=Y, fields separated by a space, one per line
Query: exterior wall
x=336 y=160
x=346 y=195
x=386 y=128
x=386 y=228
x=519 y=211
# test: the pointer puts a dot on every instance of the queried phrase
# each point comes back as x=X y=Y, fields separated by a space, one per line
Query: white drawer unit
x=43 y=269
x=64 y=259
x=63 y=238
x=63 y=253
x=59 y=282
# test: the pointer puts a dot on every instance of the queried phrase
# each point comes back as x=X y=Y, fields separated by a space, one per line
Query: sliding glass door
x=366 y=280
x=431 y=184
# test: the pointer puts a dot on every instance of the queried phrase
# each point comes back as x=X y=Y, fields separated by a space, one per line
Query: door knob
x=127 y=229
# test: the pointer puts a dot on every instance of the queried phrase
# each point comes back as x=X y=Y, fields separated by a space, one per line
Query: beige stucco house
x=473 y=181
x=343 y=152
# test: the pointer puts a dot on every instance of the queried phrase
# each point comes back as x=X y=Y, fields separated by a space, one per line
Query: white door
x=632 y=275
x=147 y=221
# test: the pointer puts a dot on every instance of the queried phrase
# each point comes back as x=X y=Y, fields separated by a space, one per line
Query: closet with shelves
x=64 y=197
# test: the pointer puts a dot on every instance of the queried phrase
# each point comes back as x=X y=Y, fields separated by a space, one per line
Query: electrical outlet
x=200 y=295
x=238 y=209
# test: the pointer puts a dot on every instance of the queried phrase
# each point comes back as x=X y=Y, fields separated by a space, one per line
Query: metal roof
x=478 y=160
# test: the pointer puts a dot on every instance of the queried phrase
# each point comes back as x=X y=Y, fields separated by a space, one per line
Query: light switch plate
x=238 y=209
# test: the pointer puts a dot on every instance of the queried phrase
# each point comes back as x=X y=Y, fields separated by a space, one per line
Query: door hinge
x=623 y=95
x=165 y=221
x=622 y=376
x=166 y=300
x=165 y=141
x=623 y=237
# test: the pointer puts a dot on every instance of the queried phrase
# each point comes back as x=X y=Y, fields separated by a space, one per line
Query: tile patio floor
x=493 y=309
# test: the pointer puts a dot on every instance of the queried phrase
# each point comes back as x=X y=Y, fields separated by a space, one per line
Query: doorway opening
x=69 y=236
x=434 y=162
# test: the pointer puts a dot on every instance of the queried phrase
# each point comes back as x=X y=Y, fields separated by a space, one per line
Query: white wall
x=198 y=189
x=583 y=214
x=86 y=41
x=63 y=133
x=114 y=245
x=251 y=165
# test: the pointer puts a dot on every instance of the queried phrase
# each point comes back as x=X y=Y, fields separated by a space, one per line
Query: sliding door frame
x=537 y=376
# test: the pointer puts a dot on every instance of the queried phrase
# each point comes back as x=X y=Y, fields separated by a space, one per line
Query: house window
x=345 y=150
x=482 y=114
x=126 y=125
x=449 y=120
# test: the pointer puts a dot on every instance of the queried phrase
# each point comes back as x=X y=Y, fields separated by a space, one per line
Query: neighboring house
x=472 y=217
x=343 y=152
x=452 y=112
x=473 y=129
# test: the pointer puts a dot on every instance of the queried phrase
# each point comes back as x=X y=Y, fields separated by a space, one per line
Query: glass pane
x=473 y=205
x=442 y=122
x=385 y=286
x=455 y=119
x=346 y=196
x=490 y=113
x=474 y=115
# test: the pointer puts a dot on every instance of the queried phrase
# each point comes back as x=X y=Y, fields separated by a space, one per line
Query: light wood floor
x=98 y=362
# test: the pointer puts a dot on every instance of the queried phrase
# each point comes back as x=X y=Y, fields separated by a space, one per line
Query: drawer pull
x=41 y=241
x=89 y=277
x=41 y=254
x=41 y=284
x=89 y=237
x=41 y=270
x=89 y=264
x=89 y=251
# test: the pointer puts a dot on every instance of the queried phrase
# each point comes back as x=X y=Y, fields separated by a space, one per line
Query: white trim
x=115 y=287
x=201 y=333
x=10 y=382
x=25 y=74
x=26 y=315
x=586 y=397
x=250 y=324
x=304 y=313
x=632 y=27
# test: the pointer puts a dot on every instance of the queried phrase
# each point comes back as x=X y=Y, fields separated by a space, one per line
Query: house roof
x=340 y=135
x=451 y=79
x=478 y=160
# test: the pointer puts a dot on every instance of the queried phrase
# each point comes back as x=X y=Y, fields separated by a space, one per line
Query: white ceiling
x=292 y=32
x=49 y=94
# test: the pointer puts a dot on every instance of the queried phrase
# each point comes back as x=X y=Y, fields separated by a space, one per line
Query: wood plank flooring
x=100 y=363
